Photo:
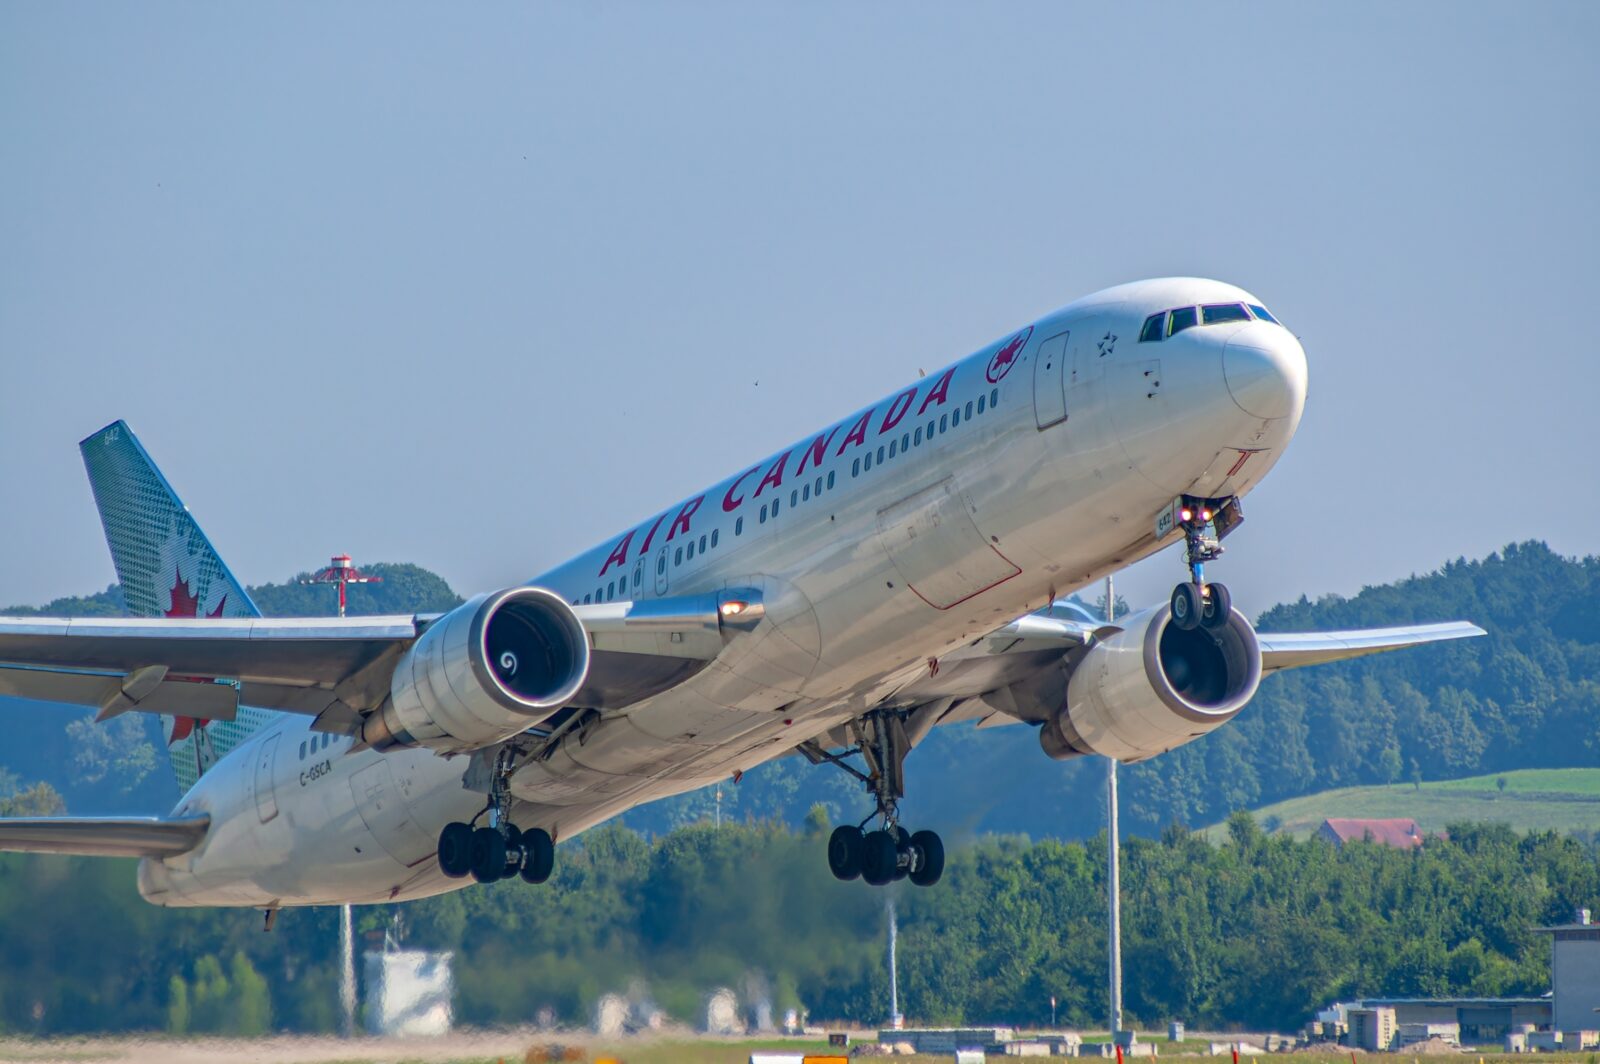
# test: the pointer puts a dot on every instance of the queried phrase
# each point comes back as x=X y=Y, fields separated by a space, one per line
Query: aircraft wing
x=981 y=681
x=334 y=667
x=102 y=836
x=1292 y=650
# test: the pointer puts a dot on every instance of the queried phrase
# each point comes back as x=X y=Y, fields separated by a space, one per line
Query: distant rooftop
x=1399 y=833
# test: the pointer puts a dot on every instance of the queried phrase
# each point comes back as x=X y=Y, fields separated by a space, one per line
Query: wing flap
x=1292 y=650
x=103 y=836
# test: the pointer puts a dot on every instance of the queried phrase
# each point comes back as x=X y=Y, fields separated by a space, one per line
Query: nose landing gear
x=499 y=850
x=891 y=852
x=1197 y=604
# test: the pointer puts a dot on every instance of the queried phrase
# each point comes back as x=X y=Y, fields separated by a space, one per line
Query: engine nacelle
x=1154 y=686
x=492 y=667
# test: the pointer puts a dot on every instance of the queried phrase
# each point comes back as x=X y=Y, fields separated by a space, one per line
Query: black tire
x=455 y=849
x=488 y=855
x=931 y=867
x=1186 y=606
x=538 y=855
x=845 y=848
x=1218 y=605
x=880 y=858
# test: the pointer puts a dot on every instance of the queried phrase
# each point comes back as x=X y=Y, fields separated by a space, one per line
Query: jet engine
x=1154 y=686
x=492 y=667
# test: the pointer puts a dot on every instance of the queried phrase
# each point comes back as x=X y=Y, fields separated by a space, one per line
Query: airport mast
x=341 y=572
x=1113 y=867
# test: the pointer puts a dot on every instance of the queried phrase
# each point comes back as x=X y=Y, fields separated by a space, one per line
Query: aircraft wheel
x=880 y=858
x=845 y=849
x=902 y=846
x=488 y=855
x=931 y=867
x=1214 y=614
x=1186 y=606
x=455 y=849
x=538 y=855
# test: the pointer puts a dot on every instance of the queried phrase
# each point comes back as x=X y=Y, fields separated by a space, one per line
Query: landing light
x=732 y=608
x=1187 y=514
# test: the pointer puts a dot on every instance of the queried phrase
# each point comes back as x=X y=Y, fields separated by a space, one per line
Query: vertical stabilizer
x=167 y=568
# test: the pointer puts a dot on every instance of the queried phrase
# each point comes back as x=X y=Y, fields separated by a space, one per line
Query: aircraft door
x=661 y=571
x=1049 y=381
x=261 y=779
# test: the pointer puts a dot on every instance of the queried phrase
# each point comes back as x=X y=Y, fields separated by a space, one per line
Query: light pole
x=1113 y=868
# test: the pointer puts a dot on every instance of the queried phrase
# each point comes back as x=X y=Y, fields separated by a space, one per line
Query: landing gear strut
x=500 y=849
x=1197 y=604
x=889 y=853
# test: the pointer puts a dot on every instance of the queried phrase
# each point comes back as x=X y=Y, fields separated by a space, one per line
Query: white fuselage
x=867 y=573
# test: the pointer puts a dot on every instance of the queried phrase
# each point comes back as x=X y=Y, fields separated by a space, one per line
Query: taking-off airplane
x=900 y=569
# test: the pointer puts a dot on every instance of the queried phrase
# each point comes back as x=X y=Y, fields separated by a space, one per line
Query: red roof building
x=1399 y=833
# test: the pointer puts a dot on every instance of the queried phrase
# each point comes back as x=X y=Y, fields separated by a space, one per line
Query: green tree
x=177 y=1005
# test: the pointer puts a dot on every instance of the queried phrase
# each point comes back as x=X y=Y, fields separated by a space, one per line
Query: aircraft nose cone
x=1266 y=371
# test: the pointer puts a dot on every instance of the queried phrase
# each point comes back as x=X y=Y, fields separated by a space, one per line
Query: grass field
x=1562 y=799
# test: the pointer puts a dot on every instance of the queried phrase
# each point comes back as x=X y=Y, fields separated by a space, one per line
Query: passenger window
x=794 y=497
x=1261 y=312
x=611 y=591
x=830 y=480
x=690 y=552
x=661 y=566
x=1182 y=318
x=866 y=462
x=302 y=751
x=930 y=429
x=981 y=400
x=763 y=513
x=905 y=441
x=994 y=398
x=677 y=558
x=713 y=537
x=894 y=448
x=918 y=437
x=955 y=417
x=585 y=599
x=622 y=586
x=805 y=495
x=1217 y=313
x=943 y=418
x=880 y=454
x=855 y=468
x=819 y=485
x=776 y=504
x=702 y=544
x=738 y=526
x=1152 y=327
x=969 y=409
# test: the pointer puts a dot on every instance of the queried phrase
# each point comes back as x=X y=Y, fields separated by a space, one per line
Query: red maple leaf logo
x=183 y=604
x=1006 y=357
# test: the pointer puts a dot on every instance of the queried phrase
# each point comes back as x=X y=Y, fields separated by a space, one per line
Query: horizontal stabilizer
x=102 y=836
x=1291 y=650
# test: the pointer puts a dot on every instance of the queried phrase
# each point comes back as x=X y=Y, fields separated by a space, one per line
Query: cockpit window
x=1216 y=313
x=1152 y=327
x=1261 y=312
x=1182 y=318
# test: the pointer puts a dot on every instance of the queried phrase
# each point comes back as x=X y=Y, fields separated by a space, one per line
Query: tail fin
x=168 y=568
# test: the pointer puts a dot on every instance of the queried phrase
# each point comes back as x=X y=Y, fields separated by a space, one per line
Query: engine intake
x=1154 y=686
x=492 y=667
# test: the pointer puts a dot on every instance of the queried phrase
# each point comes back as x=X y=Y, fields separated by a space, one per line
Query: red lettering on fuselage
x=815 y=451
x=619 y=553
x=729 y=503
x=857 y=433
x=681 y=522
x=939 y=392
x=774 y=475
x=646 y=548
x=897 y=410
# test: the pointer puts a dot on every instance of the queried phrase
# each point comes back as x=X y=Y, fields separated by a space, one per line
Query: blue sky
x=477 y=288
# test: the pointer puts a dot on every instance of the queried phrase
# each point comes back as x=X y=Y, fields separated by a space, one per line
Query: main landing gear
x=501 y=850
x=1197 y=604
x=891 y=852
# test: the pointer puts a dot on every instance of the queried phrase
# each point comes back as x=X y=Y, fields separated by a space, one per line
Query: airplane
x=902 y=568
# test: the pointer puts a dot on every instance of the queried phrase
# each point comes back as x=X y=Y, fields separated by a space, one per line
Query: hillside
x=1525 y=697
x=1559 y=799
